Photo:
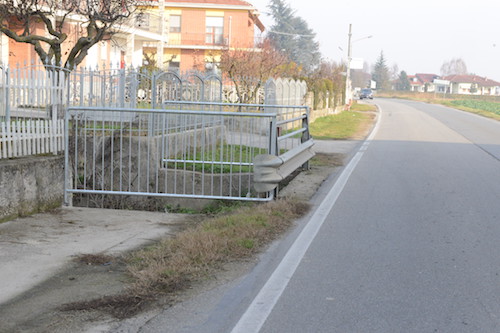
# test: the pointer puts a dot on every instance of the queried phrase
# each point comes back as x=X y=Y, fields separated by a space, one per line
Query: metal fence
x=177 y=151
x=39 y=92
x=132 y=88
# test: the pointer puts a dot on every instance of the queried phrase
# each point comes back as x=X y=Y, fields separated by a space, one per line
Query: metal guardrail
x=181 y=151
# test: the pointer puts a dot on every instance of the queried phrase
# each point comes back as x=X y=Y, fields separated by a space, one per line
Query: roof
x=412 y=78
x=426 y=78
x=481 y=81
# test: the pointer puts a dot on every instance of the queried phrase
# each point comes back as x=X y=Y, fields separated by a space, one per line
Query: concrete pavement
x=34 y=248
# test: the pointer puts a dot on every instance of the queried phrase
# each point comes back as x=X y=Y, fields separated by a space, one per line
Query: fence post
x=121 y=87
x=67 y=179
x=154 y=77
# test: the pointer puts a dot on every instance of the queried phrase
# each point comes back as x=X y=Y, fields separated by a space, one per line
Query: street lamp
x=348 y=89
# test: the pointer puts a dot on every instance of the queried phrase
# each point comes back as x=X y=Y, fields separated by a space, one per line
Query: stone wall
x=30 y=185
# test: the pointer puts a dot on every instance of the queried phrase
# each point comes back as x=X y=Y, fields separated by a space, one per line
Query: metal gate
x=184 y=150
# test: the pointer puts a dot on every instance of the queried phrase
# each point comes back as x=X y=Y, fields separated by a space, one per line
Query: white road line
x=262 y=305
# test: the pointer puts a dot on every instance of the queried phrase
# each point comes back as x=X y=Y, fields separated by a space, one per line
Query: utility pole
x=348 y=71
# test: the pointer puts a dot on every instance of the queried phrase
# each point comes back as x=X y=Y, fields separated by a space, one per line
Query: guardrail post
x=305 y=136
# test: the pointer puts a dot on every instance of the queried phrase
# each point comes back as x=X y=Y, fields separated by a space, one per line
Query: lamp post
x=348 y=90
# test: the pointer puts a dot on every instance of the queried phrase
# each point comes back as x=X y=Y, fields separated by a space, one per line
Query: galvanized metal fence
x=177 y=151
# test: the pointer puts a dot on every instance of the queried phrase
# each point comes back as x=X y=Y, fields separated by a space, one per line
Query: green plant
x=478 y=105
x=340 y=126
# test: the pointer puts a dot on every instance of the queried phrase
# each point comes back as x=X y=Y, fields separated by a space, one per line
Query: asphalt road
x=406 y=239
x=413 y=242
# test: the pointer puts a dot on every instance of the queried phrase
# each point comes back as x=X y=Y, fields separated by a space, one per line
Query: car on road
x=366 y=93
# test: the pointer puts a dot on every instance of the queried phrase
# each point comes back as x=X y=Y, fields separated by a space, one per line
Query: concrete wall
x=30 y=185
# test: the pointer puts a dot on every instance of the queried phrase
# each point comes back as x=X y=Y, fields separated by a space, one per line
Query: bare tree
x=249 y=69
x=93 y=20
x=394 y=72
x=455 y=66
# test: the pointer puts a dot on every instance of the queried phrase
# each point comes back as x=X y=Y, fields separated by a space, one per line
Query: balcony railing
x=209 y=39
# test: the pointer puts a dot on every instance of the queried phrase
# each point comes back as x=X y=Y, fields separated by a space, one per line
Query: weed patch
x=95 y=259
x=193 y=254
x=119 y=306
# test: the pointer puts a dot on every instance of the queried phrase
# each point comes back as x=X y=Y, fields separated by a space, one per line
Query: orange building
x=179 y=35
x=197 y=31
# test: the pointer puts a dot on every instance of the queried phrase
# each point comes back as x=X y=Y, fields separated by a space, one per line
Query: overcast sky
x=418 y=36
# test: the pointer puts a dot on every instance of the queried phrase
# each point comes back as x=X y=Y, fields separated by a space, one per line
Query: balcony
x=152 y=23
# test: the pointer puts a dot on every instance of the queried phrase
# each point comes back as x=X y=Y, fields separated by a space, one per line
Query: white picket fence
x=31 y=137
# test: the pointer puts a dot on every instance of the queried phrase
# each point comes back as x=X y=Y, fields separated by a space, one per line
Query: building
x=196 y=31
x=422 y=82
x=473 y=85
x=179 y=35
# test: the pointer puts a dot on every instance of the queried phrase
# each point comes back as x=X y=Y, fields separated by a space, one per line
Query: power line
x=290 y=34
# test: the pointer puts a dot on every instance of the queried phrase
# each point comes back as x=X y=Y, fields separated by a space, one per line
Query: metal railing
x=184 y=150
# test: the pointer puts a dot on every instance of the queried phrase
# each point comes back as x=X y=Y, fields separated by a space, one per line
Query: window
x=175 y=23
x=214 y=30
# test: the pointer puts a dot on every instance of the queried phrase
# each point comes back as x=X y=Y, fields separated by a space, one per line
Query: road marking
x=255 y=316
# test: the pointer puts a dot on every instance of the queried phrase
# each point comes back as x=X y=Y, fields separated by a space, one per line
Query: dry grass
x=94 y=259
x=119 y=306
x=193 y=254
x=173 y=264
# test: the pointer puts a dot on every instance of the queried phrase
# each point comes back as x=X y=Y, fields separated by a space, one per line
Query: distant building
x=422 y=82
x=472 y=85
x=453 y=84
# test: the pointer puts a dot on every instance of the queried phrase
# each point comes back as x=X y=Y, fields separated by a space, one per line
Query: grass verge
x=193 y=254
x=345 y=125
x=175 y=263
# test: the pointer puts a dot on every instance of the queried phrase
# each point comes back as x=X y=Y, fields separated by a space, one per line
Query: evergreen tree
x=292 y=35
x=403 y=82
x=381 y=73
